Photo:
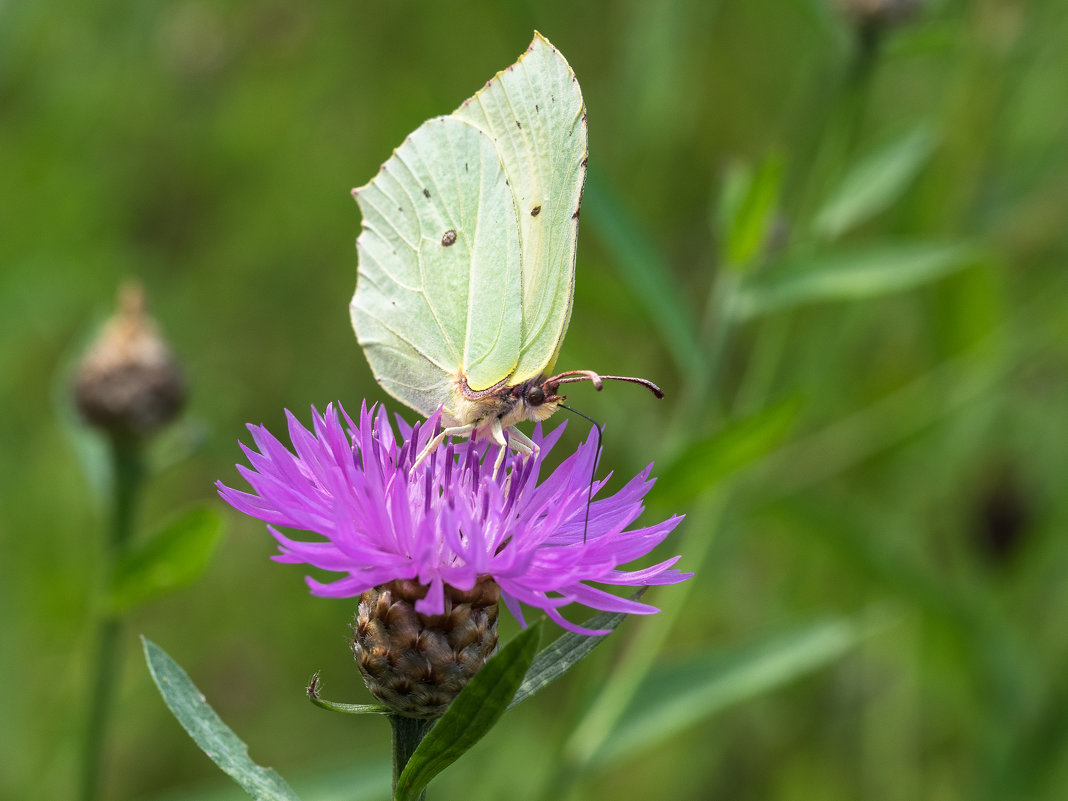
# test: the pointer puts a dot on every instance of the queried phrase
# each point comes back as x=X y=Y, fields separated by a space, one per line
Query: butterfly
x=467 y=255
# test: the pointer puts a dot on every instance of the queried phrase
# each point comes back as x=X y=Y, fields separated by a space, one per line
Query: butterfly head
x=537 y=400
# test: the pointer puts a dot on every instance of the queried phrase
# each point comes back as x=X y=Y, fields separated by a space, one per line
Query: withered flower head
x=129 y=383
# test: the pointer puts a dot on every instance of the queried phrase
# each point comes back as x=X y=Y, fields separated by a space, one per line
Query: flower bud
x=416 y=663
x=129 y=383
x=879 y=13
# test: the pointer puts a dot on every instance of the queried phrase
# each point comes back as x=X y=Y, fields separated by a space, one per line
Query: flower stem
x=128 y=471
x=407 y=734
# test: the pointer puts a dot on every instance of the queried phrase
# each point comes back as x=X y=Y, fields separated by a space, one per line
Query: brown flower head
x=129 y=383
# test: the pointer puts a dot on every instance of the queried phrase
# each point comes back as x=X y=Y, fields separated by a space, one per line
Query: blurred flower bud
x=879 y=13
x=129 y=383
x=416 y=663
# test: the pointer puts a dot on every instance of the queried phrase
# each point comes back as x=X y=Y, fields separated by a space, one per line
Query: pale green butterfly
x=467 y=255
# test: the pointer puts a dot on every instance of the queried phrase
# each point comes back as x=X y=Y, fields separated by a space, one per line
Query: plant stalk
x=127 y=476
x=407 y=734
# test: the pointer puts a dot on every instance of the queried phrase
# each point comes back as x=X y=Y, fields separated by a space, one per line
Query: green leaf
x=739 y=443
x=474 y=712
x=214 y=737
x=566 y=651
x=874 y=183
x=852 y=275
x=746 y=212
x=173 y=558
x=644 y=270
x=89 y=446
x=677 y=696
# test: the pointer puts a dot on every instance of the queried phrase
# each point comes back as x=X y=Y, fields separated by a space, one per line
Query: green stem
x=128 y=472
x=407 y=734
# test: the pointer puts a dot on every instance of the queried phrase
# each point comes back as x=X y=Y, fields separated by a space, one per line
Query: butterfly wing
x=438 y=293
x=534 y=114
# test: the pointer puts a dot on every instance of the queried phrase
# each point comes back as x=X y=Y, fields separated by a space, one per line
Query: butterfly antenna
x=593 y=474
x=571 y=376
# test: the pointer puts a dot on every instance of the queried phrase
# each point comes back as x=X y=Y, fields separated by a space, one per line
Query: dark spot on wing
x=448 y=238
x=534 y=212
x=519 y=125
x=576 y=214
x=584 y=162
x=426 y=193
x=465 y=166
x=536 y=109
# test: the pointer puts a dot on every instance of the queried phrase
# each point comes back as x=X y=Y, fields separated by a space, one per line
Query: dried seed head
x=129 y=383
x=415 y=663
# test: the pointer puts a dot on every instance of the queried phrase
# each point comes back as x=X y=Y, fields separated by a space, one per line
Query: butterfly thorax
x=509 y=403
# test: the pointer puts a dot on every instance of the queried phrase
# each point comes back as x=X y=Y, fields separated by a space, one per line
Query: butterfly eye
x=536 y=396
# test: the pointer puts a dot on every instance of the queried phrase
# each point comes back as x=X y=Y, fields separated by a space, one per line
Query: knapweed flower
x=450 y=530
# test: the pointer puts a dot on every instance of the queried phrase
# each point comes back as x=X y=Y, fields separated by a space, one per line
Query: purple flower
x=450 y=521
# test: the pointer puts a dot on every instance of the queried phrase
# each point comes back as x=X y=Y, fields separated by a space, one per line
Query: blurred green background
x=838 y=245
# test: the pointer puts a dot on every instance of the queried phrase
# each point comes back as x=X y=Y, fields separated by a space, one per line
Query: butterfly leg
x=516 y=441
x=497 y=435
x=454 y=431
x=521 y=443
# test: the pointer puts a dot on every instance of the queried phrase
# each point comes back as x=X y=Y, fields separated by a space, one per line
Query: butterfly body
x=509 y=403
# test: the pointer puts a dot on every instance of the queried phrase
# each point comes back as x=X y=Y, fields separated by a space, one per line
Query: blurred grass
x=208 y=149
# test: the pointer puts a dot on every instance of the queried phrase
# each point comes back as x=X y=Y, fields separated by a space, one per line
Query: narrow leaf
x=349 y=709
x=214 y=737
x=173 y=558
x=739 y=443
x=644 y=270
x=474 y=712
x=566 y=651
x=677 y=696
x=90 y=448
x=874 y=183
x=853 y=275
x=746 y=212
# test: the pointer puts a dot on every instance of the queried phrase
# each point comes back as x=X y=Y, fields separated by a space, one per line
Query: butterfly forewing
x=533 y=111
x=439 y=287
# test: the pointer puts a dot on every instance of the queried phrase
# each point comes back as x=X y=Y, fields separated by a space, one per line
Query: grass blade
x=674 y=697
